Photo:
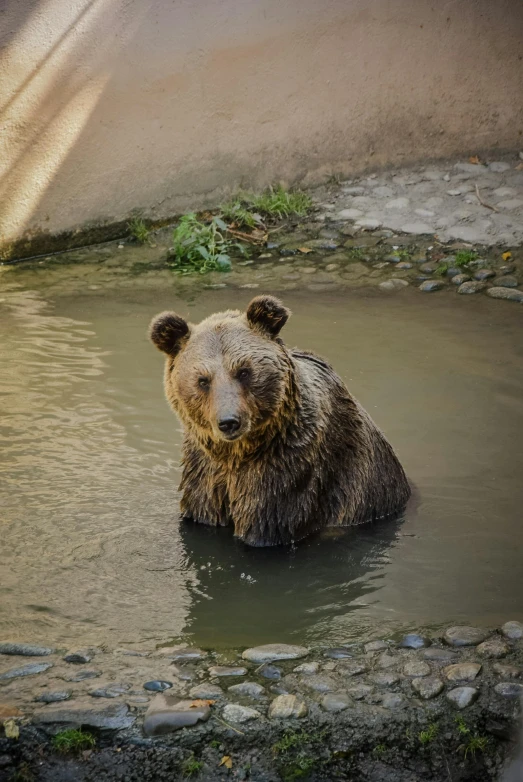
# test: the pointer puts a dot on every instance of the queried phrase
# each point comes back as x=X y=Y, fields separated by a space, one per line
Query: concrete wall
x=112 y=105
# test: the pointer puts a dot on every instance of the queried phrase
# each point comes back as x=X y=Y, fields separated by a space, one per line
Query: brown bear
x=274 y=443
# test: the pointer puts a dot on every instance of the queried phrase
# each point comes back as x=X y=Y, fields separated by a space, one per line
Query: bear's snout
x=229 y=426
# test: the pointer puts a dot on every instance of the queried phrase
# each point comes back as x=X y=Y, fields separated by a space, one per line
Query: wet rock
x=111 y=691
x=319 y=683
x=493 y=648
x=507 y=268
x=429 y=267
x=211 y=691
x=336 y=701
x=25 y=670
x=285 y=706
x=507 y=671
x=233 y=712
x=471 y=287
x=462 y=672
x=360 y=691
x=384 y=679
x=271 y=652
x=309 y=669
x=323 y=244
x=404 y=265
x=227 y=670
x=462 y=697
x=182 y=673
x=187 y=654
x=393 y=285
x=417 y=228
x=506 y=281
x=349 y=214
x=352 y=668
x=459 y=279
x=427 y=687
x=53 y=697
x=110 y=716
x=167 y=713
x=393 y=700
x=509 y=689
x=338 y=653
x=26 y=650
x=83 y=675
x=269 y=671
x=431 y=285
x=484 y=274
x=415 y=668
x=508 y=294
x=452 y=272
x=79 y=657
x=157 y=685
x=279 y=689
x=462 y=635
x=368 y=223
x=247 y=689
x=439 y=655
x=513 y=630
x=397 y=203
x=375 y=646
x=413 y=641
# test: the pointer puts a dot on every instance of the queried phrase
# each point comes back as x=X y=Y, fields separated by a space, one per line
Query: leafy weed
x=202 y=247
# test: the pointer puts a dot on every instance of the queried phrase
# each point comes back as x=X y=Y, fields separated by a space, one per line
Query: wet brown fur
x=307 y=456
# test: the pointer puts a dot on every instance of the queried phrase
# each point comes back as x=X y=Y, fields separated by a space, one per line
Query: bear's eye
x=243 y=374
x=204 y=383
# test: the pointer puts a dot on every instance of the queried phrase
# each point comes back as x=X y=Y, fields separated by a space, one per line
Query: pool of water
x=91 y=546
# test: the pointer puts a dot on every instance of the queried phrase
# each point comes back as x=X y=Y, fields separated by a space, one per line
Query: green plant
x=442 y=269
x=214 y=744
x=428 y=735
x=72 y=741
x=379 y=750
x=278 y=202
x=191 y=767
x=464 y=257
x=357 y=254
x=138 y=229
x=461 y=725
x=404 y=255
x=23 y=773
x=290 y=740
x=202 y=247
x=297 y=768
x=237 y=211
x=476 y=744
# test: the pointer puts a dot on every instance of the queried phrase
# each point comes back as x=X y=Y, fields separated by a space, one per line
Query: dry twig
x=489 y=206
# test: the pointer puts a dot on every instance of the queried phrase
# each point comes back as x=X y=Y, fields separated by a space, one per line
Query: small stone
x=462 y=672
x=512 y=630
x=279 y=689
x=352 y=668
x=498 y=167
x=462 y=697
x=53 y=697
x=507 y=671
x=360 y=691
x=86 y=712
x=386 y=661
x=404 y=265
x=248 y=689
x=349 y=214
x=393 y=700
x=26 y=650
x=82 y=675
x=484 y=274
x=427 y=687
x=184 y=655
x=308 y=270
x=291 y=276
x=182 y=673
x=309 y=669
x=493 y=648
x=393 y=285
x=157 y=686
x=431 y=285
x=25 y=670
x=439 y=655
x=336 y=701
x=206 y=690
x=369 y=223
x=510 y=204
x=319 y=683
x=397 y=203
x=417 y=228
x=285 y=706
x=338 y=653
x=384 y=679
x=509 y=689
x=332 y=267
x=413 y=641
x=505 y=192
x=112 y=691
x=79 y=657
x=353 y=190
x=271 y=652
x=233 y=712
x=383 y=191
x=269 y=671
x=505 y=293
x=424 y=213
x=471 y=287
x=375 y=646
x=461 y=635
x=429 y=267
x=415 y=668
x=226 y=670
x=167 y=713
x=249 y=286
x=506 y=281
x=459 y=279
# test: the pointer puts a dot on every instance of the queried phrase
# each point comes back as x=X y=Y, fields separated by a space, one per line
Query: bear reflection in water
x=274 y=443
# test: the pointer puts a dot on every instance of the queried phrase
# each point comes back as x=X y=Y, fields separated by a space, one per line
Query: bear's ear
x=167 y=331
x=267 y=314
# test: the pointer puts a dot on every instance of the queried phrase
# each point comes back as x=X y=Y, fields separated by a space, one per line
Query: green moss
x=379 y=750
x=191 y=767
x=72 y=741
x=428 y=735
x=290 y=740
x=298 y=768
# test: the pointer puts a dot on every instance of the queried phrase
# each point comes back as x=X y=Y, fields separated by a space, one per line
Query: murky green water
x=91 y=547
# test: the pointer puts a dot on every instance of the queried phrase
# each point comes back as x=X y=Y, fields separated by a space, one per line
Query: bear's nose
x=229 y=425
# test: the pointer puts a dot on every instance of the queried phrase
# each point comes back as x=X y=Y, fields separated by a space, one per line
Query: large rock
x=351 y=668
x=233 y=712
x=270 y=652
x=493 y=648
x=94 y=714
x=26 y=670
x=512 y=630
x=167 y=713
x=461 y=635
x=285 y=706
x=462 y=672
x=26 y=650
x=462 y=697
x=509 y=689
x=416 y=668
x=427 y=687
x=413 y=641
x=510 y=294
x=438 y=655
x=336 y=701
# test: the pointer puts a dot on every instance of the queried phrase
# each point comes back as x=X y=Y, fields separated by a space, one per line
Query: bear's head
x=226 y=377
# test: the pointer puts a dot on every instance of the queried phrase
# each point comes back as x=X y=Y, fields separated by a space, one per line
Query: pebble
x=415 y=668
x=427 y=687
x=233 y=712
x=493 y=647
x=471 y=287
x=86 y=712
x=484 y=274
x=250 y=285
x=439 y=655
x=462 y=635
x=459 y=279
x=212 y=691
x=248 y=689
x=417 y=228
x=429 y=267
x=404 y=265
x=393 y=285
x=25 y=670
x=226 y=670
x=413 y=641
x=182 y=673
x=510 y=204
x=431 y=285
x=332 y=267
x=506 y=281
x=386 y=661
x=393 y=700
x=82 y=675
x=157 y=686
x=509 y=689
x=307 y=668
x=319 y=683
x=353 y=190
x=338 y=653
x=360 y=691
x=508 y=671
x=384 y=679
x=375 y=646
x=167 y=713
x=369 y=224
x=26 y=650
x=54 y=697
x=397 y=203
x=349 y=214
x=78 y=657
x=285 y=706
x=112 y=691
x=269 y=671
x=462 y=697
x=498 y=167
x=352 y=668
x=336 y=701
x=505 y=293
x=462 y=672
x=271 y=652
x=513 y=630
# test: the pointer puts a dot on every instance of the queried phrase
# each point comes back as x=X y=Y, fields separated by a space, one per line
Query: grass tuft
x=428 y=735
x=201 y=247
x=138 y=230
x=464 y=257
x=249 y=209
x=191 y=767
x=73 y=741
x=476 y=744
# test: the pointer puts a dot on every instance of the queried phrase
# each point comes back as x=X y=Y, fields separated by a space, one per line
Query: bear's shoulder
x=312 y=358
